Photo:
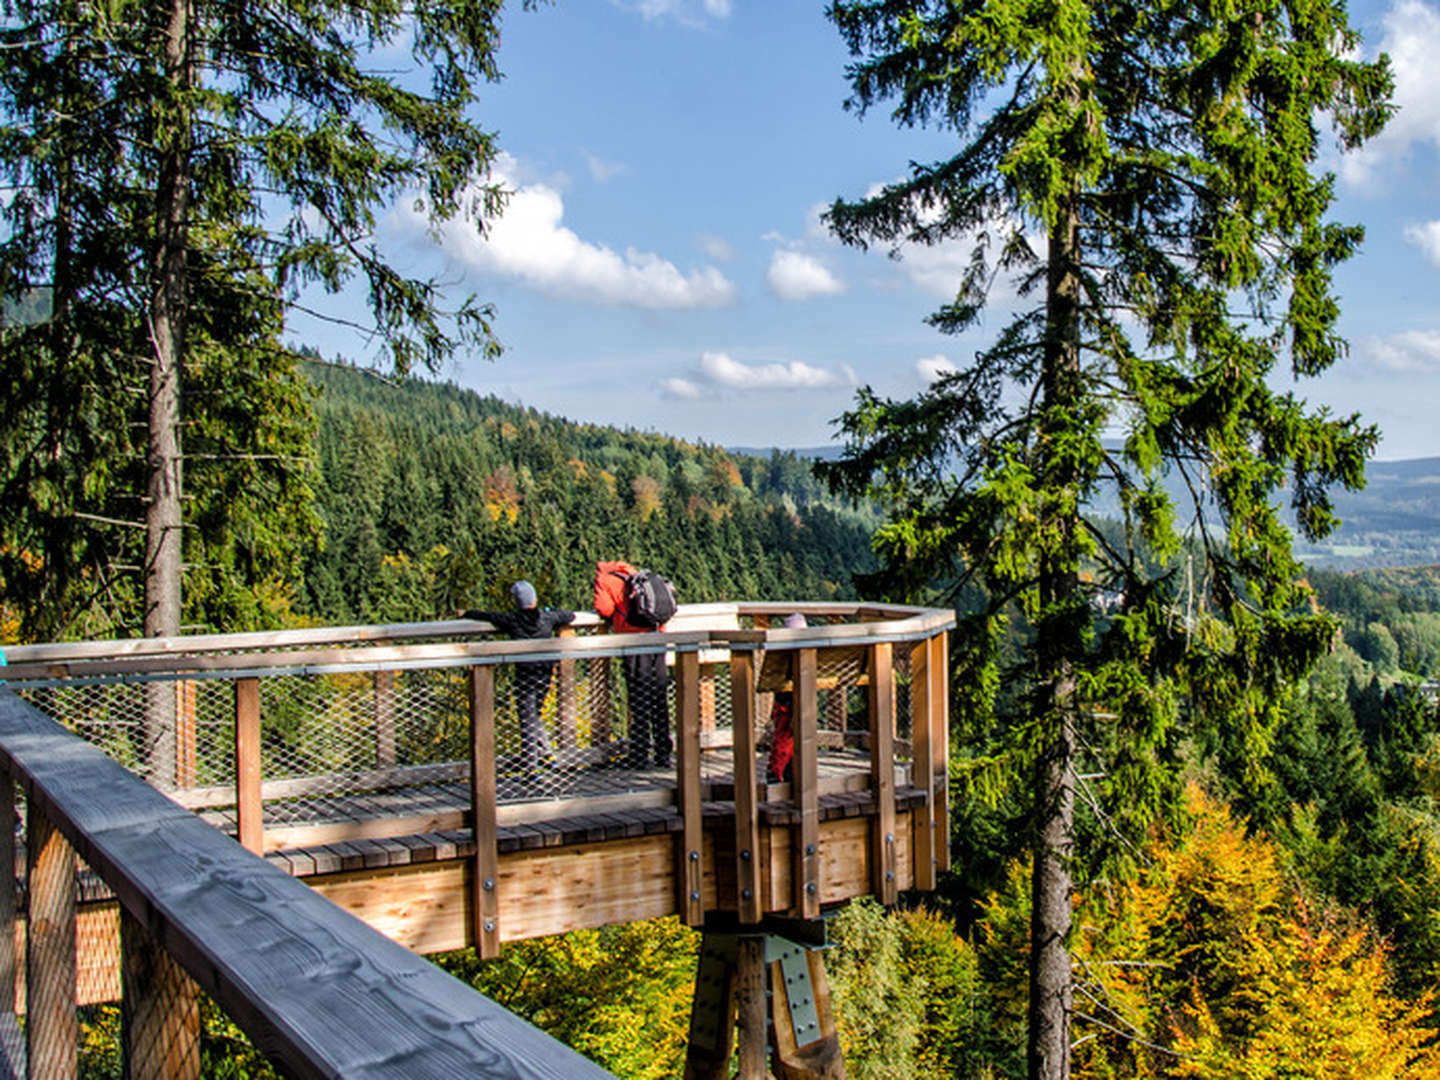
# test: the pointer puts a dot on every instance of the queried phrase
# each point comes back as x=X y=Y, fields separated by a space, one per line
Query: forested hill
x=433 y=496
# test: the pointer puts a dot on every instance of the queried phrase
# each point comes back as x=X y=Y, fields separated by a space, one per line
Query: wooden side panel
x=485 y=902
x=747 y=820
x=688 y=853
x=322 y=993
x=806 y=835
x=247 y=765
x=52 y=1032
x=882 y=772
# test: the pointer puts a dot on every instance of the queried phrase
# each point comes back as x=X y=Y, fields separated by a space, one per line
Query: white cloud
x=1413 y=352
x=603 y=170
x=683 y=389
x=718 y=373
x=721 y=370
x=1412 y=40
x=931 y=368
x=794 y=275
x=716 y=247
x=685 y=12
x=1427 y=238
x=529 y=242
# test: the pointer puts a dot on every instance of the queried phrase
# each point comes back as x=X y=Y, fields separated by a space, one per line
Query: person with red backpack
x=636 y=601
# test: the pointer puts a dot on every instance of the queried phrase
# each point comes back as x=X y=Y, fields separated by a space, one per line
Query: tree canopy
x=1147 y=176
x=183 y=175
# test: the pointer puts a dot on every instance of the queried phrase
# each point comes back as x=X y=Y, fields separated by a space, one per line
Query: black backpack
x=649 y=599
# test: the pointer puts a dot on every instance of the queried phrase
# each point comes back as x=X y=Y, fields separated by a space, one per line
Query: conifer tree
x=183 y=171
x=1165 y=154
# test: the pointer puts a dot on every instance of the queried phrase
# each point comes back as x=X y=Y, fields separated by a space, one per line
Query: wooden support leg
x=801 y=1056
x=160 y=1006
x=712 y=1011
x=750 y=1019
x=729 y=994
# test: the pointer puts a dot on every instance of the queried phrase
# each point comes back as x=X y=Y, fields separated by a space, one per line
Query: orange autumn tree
x=1211 y=964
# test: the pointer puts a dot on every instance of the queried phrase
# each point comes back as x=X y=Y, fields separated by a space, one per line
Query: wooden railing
x=854 y=664
x=318 y=991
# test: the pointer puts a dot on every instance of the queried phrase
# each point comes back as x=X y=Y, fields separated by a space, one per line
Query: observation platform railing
x=345 y=754
x=317 y=992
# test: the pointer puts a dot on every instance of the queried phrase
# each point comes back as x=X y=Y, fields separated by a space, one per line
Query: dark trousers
x=532 y=683
x=649 y=711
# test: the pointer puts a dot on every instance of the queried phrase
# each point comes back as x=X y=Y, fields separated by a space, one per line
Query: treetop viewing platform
x=452 y=790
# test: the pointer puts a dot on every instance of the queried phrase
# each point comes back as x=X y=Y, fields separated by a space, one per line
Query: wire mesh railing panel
x=717 y=723
x=419 y=717
x=904 y=718
x=842 y=677
x=110 y=715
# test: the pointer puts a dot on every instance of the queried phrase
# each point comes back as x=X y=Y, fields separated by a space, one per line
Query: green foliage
x=620 y=995
x=184 y=173
x=435 y=498
x=909 y=997
x=1211 y=964
x=1168 y=155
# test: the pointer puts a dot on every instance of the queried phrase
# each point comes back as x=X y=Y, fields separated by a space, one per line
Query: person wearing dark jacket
x=528 y=622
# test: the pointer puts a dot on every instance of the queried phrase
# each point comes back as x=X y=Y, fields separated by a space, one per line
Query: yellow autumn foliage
x=1212 y=965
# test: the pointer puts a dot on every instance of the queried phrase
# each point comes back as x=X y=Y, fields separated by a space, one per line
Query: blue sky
x=661 y=264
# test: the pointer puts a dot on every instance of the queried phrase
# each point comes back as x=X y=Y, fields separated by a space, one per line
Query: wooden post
x=922 y=731
x=486 y=883
x=52 y=1031
x=747 y=817
x=805 y=837
x=160 y=1009
x=248 y=805
x=688 y=873
x=186 y=693
x=750 y=1019
x=602 y=699
x=707 y=697
x=882 y=773
x=384 y=719
x=565 y=698
x=940 y=744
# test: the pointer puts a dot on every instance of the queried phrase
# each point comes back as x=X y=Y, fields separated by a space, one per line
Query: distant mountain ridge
x=1393 y=521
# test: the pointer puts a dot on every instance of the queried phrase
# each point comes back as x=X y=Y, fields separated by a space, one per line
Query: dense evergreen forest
x=433 y=497
x=1287 y=904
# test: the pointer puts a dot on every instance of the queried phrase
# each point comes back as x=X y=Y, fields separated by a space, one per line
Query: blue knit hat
x=523 y=593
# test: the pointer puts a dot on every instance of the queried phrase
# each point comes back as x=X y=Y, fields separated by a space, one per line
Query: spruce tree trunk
x=1048 y=1052
x=163 y=548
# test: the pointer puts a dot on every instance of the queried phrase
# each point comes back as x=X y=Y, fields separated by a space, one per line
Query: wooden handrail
x=319 y=991
x=30 y=662
x=260 y=641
